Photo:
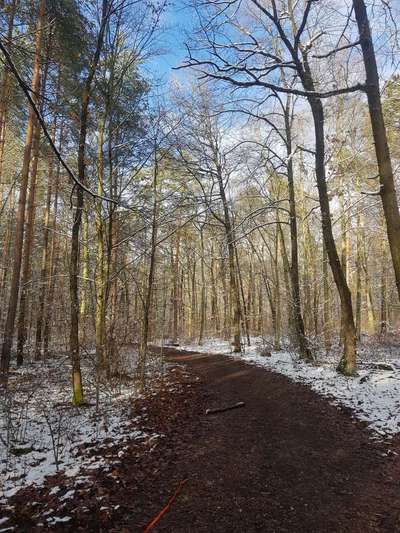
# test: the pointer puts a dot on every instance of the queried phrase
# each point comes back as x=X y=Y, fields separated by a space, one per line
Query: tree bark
x=302 y=341
x=28 y=243
x=26 y=278
x=45 y=265
x=244 y=311
x=77 y=391
x=100 y=281
x=203 y=290
x=288 y=285
x=5 y=87
x=53 y=266
x=20 y=222
x=277 y=296
x=175 y=289
x=347 y=364
x=326 y=303
x=234 y=289
x=358 y=278
x=387 y=187
x=214 y=295
x=150 y=279
x=383 y=290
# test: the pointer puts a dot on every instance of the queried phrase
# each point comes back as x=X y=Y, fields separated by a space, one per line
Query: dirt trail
x=286 y=462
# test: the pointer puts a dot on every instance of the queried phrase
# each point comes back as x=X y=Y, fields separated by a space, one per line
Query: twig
x=165 y=510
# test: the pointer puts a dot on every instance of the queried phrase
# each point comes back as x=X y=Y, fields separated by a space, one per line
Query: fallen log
x=222 y=409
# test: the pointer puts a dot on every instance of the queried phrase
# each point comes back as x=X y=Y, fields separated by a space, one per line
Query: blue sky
x=178 y=22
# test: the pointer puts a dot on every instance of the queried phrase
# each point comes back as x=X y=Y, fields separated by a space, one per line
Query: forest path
x=286 y=462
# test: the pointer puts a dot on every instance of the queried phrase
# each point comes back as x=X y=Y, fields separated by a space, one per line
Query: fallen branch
x=382 y=366
x=222 y=409
x=165 y=509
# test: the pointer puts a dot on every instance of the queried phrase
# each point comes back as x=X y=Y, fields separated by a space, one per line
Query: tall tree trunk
x=326 y=303
x=307 y=253
x=203 y=290
x=348 y=363
x=387 y=189
x=45 y=264
x=244 y=312
x=344 y=254
x=288 y=285
x=6 y=252
x=234 y=294
x=316 y=292
x=193 y=300
x=5 y=87
x=100 y=282
x=85 y=292
x=20 y=222
x=234 y=289
x=53 y=264
x=214 y=295
x=225 y=296
x=112 y=279
x=175 y=289
x=302 y=341
x=26 y=280
x=112 y=255
x=271 y=301
x=277 y=295
x=251 y=298
x=150 y=278
x=368 y=291
x=383 y=290
x=77 y=391
x=260 y=309
x=358 y=278
x=28 y=243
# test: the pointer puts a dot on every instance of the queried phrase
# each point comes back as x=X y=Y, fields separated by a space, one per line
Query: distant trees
x=213 y=210
x=252 y=62
x=105 y=73
x=207 y=162
x=32 y=133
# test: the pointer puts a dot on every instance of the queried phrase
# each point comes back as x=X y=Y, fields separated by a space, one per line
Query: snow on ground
x=42 y=433
x=374 y=395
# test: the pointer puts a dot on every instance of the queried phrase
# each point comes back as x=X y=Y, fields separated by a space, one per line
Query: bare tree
x=19 y=231
x=387 y=189
x=248 y=63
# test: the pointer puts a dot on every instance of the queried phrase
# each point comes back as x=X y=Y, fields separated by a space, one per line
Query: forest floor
x=373 y=395
x=288 y=461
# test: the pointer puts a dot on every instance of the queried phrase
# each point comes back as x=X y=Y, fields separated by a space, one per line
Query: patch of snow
x=57 y=520
x=67 y=495
x=11 y=492
x=42 y=433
